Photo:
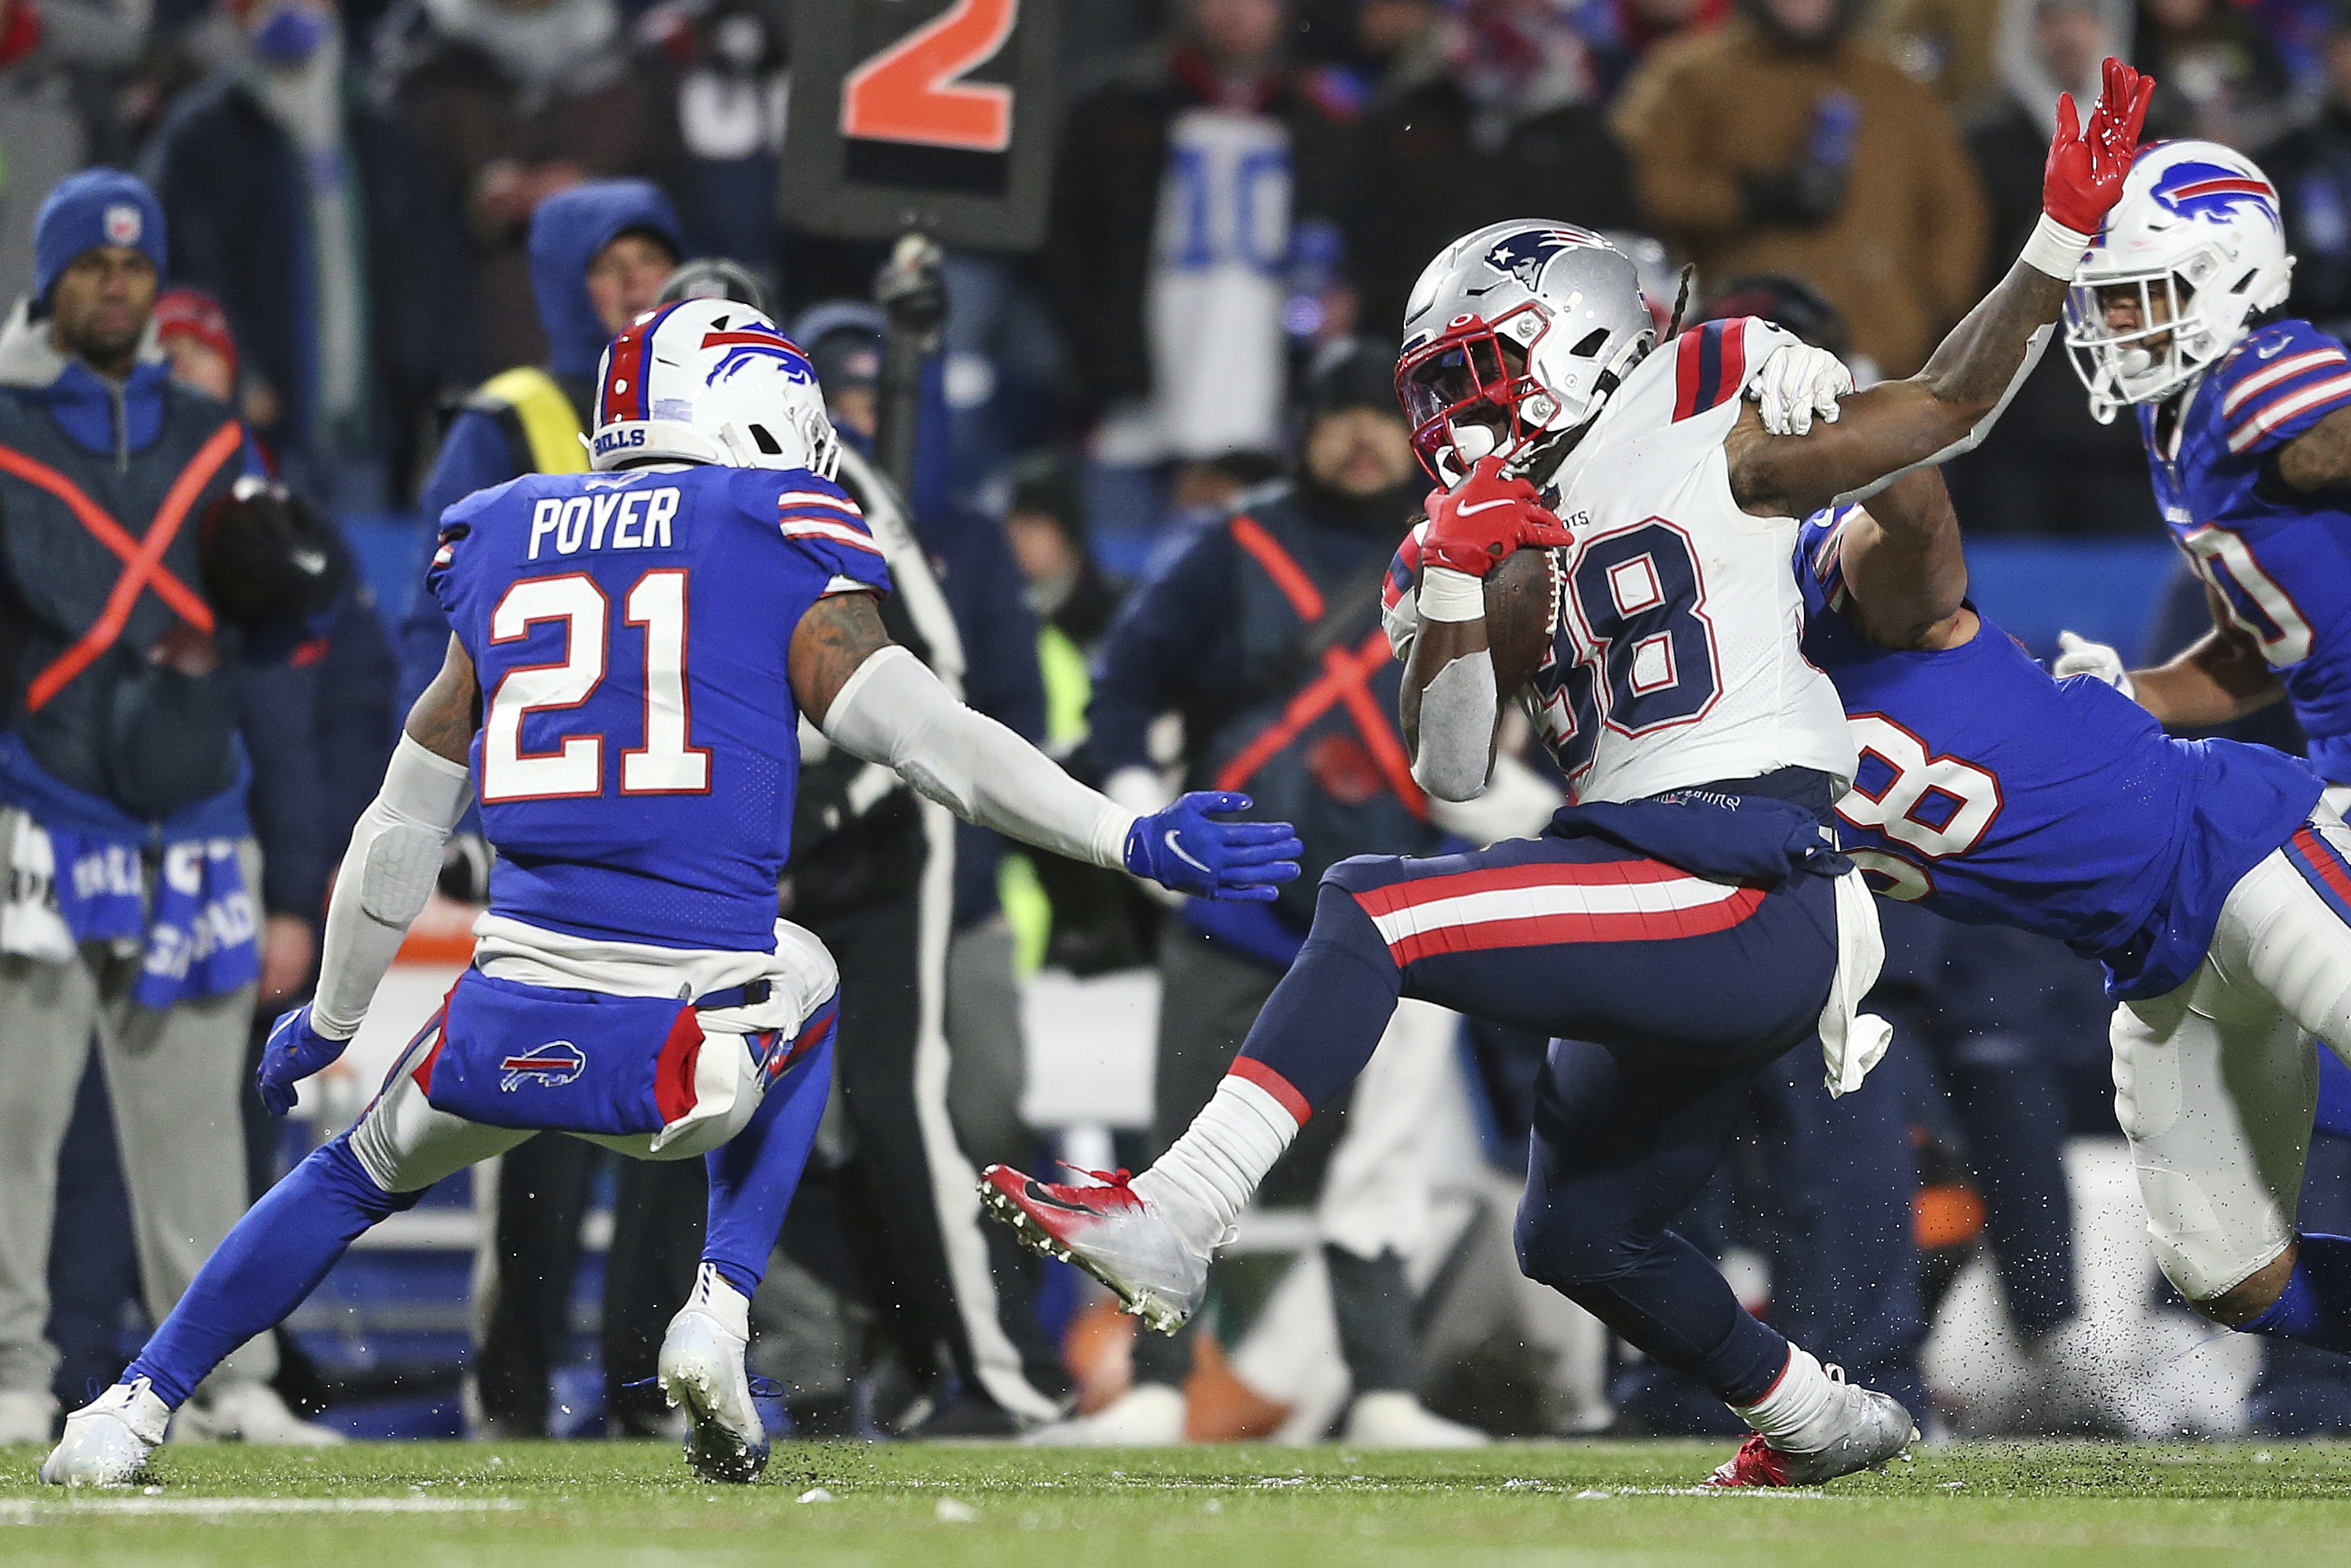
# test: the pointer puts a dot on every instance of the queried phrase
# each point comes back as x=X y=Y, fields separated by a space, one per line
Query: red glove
x=2086 y=166
x=1475 y=526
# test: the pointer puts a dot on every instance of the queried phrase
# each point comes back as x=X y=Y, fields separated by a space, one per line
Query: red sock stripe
x=1273 y=1083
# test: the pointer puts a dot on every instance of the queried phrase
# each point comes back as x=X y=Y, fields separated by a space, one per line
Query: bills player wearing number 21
x=2177 y=313
x=640 y=644
x=1689 y=915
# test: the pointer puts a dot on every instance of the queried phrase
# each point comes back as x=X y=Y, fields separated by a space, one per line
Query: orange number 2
x=908 y=92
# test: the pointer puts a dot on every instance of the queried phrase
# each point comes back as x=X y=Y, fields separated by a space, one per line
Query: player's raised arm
x=1905 y=575
x=387 y=875
x=1946 y=408
x=876 y=701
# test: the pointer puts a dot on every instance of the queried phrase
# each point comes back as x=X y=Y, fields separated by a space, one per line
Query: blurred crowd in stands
x=400 y=231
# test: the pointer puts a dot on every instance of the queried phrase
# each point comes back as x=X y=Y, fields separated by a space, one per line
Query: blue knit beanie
x=95 y=207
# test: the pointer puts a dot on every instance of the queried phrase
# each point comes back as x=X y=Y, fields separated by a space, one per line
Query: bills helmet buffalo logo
x=1524 y=254
x=2213 y=192
x=548 y=1066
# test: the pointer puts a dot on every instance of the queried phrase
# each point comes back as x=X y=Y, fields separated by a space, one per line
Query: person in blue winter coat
x=599 y=254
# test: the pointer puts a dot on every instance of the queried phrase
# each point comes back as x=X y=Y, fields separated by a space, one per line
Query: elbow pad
x=2033 y=349
x=422 y=798
x=1458 y=712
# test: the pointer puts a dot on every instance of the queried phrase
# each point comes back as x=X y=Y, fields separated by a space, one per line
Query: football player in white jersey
x=1689 y=915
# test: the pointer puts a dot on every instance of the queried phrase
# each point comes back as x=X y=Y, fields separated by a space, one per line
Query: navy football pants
x=1688 y=985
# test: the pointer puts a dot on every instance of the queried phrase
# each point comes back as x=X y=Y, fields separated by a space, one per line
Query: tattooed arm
x=2320 y=457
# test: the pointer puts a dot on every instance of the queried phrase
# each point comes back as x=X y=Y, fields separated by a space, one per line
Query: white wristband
x=2055 y=248
x=1449 y=595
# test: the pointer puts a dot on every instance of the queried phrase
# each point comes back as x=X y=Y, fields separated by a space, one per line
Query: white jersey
x=1674 y=658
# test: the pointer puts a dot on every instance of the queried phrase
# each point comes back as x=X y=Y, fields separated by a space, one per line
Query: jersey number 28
x=665 y=764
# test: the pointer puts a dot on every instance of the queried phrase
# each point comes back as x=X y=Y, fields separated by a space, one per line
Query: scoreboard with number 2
x=930 y=115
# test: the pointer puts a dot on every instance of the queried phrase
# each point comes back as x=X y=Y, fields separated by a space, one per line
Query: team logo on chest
x=549 y=1066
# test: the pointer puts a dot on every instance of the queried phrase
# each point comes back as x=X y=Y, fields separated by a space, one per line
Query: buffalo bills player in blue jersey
x=2206 y=876
x=2246 y=420
x=632 y=652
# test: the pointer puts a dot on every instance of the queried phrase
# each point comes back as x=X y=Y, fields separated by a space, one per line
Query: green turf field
x=429 y=1505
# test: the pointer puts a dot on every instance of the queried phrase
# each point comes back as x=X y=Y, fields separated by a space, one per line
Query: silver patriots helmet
x=1514 y=339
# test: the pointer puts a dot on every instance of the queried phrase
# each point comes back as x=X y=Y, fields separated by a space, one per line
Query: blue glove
x=1238 y=863
x=294 y=1052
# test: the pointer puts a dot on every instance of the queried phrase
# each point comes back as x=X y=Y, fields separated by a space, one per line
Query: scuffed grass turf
x=445 y=1505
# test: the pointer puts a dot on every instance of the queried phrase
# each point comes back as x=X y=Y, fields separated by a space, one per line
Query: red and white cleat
x=1876 y=1429
x=1110 y=1231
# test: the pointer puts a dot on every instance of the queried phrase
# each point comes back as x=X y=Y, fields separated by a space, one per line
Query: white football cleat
x=1147 y=1415
x=1110 y=1231
x=1391 y=1419
x=247 y=1412
x=109 y=1441
x=1874 y=1428
x=701 y=1371
x=26 y=1415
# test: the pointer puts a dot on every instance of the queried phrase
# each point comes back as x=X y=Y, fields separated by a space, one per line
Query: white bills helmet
x=710 y=381
x=2197 y=237
x=1542 y=320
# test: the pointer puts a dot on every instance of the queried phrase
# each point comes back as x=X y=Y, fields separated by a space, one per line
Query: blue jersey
x=639 y=745
x=2279 y=562
x=1990 y=793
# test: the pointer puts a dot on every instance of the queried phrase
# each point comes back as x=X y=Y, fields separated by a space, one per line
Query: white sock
x=1798 y=1415
x=1207 y=1177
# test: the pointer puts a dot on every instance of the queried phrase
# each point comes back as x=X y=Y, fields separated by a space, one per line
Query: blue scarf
x=198 y=935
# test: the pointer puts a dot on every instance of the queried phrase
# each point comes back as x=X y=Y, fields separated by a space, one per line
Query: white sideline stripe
x=31 y=1510
x=2285 y=369
x=2286 y=408
x=1530 y=902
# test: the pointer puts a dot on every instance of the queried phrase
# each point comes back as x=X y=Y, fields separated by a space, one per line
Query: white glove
x=2077 y=655
x=1797 y=384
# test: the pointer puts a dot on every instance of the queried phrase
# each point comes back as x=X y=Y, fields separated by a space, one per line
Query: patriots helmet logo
x=548 y=1066
x=2213 y=192
x=1524 y=254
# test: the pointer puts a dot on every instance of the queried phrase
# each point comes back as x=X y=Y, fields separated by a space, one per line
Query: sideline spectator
x=599 y=254
x=523 y=99
x=1778 y=143
x=2311 y=170
x=318 y=222
x=120 y=734
x=1623 y=33
x=1233 y=630
x=2048 y=468
x=1179 y=199
x=1071 y=916
x=2218 y=74
x=1947 y=44
x=1498 y=122
x=862 y=878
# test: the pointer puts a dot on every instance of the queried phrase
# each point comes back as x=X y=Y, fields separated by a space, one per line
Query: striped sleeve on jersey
x=1709 y=366
x=2272 y=400
x=820 y=518
x=1399 y=607
x=805 y=514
